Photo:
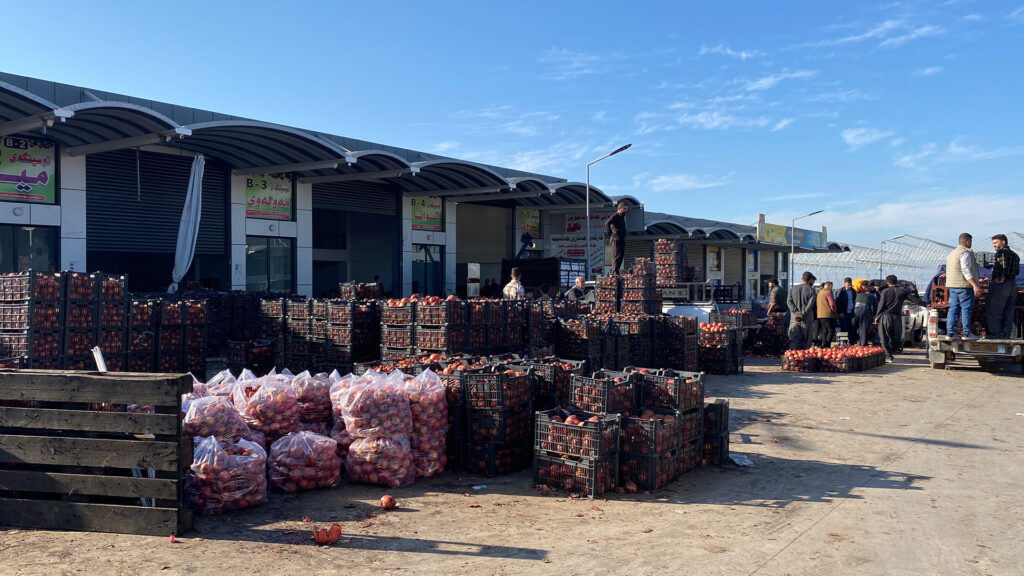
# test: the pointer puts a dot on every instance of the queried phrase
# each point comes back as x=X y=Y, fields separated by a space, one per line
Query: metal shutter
x=117 y=220
x=735 y=265
x=369 y=197
x=635 y=249
x=695 y=257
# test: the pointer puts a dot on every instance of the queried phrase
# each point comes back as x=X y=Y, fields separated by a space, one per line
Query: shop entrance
x=427 y=269
x=25 y=247
x=269 y=264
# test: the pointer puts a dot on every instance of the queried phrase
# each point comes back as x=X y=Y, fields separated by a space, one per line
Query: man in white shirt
x=962 y=283
x=514 y=289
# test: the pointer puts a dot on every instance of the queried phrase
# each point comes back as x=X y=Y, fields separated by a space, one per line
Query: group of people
x=962 y=276
x=515 y=290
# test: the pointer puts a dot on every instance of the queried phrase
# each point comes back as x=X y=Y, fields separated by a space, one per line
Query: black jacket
x=615 y=227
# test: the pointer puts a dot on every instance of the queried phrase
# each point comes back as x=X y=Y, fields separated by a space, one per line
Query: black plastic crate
x=672 y=390
x=719 y=360
x=171 y=313
x=111 y=340
x=81 y=286
x=506 y=425
x=398 y=315
x=49 y=363
x=80 y=314
x=492 y=459
x=196 y=336
x=299 y=309
x=349 y=334
x=716 y=417
x=596 y=435
x=494 y=389
x=143 y=314
x=31 y=285
x=170 y=337
x=728 y=337
x=716 y=450
x=646 y=436
x=444 y=339
x=516 y=312
x=605 y=392
x=195 y=312
x=318 y=309
x=515 y=336
x=194 y=361
x=141 y=341
x=649 y=472
x=111 y=287
x=497 y=338
x=553 y=376
x=112 y=314
x=81 y=362
x=298 y=327
x=476 y=339
x=359 y=291
x=447 y=313
x=483 y=312
x=587 y=476
x=31 y=315
x=141 y=362
x=388 y=353
x=169 y=361
x=398 y=336
x=273 y=307
x=691 y=424
x=32 y=344
x=691 y=455
x=339 y=357
x=350 y=312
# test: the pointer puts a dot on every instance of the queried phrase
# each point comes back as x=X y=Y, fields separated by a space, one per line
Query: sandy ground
x=901 y=470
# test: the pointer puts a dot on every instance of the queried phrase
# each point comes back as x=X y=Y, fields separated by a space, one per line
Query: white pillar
x=406 y=249
x=71 y=213
x=304 y=239
x=449 y=247
x=237 y=225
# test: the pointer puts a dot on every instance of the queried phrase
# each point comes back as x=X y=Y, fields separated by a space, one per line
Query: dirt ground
x=901 y=470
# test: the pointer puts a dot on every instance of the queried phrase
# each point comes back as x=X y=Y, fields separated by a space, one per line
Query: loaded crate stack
x=538 y=334
x=670 y=258
x=580 y=339
x=359 y=291
x=195 y=321
x=255 y=355
x=397 y=329
x=772 y=338
x=552 y=379
x=170 y=338
x=499 y=402
x=716 y=433
x=734 y=318
x=112 y=320
x=273 y=325
x=720 y=349
x=246 y=317
x=143 y=316
x=318 y=336
x=452 y=372
x=640 y=294
x=298 y=326
x=81 y=316
x=440 y=326
x=576 y=451
x=614 y=346
x=608 y=294
x=353 y=333
x=516 y=313
x=639 y=329
x=497 y=318
x=31 y=314
x=486 y=330
x=673 y=396
x=681 y=340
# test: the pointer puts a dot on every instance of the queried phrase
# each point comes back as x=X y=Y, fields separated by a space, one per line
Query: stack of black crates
x=112 y=320
x=516 y=321
x=305 y=337
x=670 y=258
x=397 y=331
x=144 y=315
x=681 y=343
x=552 y=378
x=441 y=328
x=499 y=416
x=80 y=328
x=487 y=330
x=664 y=437
x=31 y=319
x=640 y=294
x=353 y=333
x=272 y=317
x=720 y=352
x=580 y=339
x=716 y=433
x=170 y=337
x=608 y=294
x=195 y=321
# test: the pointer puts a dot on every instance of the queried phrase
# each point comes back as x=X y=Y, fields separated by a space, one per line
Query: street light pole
x=792 y=243
x=587 y=264
x=881 y=251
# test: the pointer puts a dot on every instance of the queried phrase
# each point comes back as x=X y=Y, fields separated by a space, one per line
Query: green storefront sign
x=426 y=213
x=268 y=196
x=28 y=169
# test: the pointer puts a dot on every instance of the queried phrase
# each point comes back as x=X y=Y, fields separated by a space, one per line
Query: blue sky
x=895 y=118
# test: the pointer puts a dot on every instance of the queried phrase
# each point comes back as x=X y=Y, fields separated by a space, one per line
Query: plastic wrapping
x=383 y=461
x=214 y=416
x=268 y=405
x=377 y=407
x=304 y=461
x=226 y=476
x=344 y=440
x=321 y=428
x=429 y=408
x=339 y=387
x=314 y=396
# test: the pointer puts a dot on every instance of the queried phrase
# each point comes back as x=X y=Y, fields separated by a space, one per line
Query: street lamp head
x=620 y=149
x=815 y=212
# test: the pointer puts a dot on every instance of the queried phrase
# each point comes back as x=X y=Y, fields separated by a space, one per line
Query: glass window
x=714 y=259
x=25 y=247
x=269 y=264
x=753 y=285
x=427 y=269
x=752 y=261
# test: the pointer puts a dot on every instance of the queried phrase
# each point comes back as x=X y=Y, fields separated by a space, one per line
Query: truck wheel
x=918 y=335
x=938 y=365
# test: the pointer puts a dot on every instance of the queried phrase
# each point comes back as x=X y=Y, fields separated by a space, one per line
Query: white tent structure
x=908 y=257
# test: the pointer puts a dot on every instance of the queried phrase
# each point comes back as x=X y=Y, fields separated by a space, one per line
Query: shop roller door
x=120 y=219
x=368 y=197
x=735 y=265
x=695 y=257
x=635 y=249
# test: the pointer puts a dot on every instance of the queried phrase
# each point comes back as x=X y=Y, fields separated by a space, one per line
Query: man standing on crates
x=615 y=228
x=1002 y=292
x=962 y=283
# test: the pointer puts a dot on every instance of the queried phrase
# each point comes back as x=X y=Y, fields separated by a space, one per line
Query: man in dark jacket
x=1002 y=289
x=615 y=228
x=889 y=317
x=802 y=301
x=844 y=306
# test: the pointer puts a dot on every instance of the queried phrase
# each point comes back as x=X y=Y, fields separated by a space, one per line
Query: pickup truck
x=943 y=350
x=915 y=321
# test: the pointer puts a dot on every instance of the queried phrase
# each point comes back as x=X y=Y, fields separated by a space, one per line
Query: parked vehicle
x=942 y=349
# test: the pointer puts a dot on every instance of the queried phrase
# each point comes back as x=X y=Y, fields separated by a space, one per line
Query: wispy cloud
x=444 y=147
x=564 y=64
x=782 y=124
x=725 y=50
x=851 y=95
x=958 y=151
x=600 y=115
x=930 y=155
x=770 y=81
x=796 y=197
x=679 y=182
x=929 y=71
x=713 y=120
x=974 y=18
x=1017 y=16
x=858 y=137
x=891 y=33
x=916 y=158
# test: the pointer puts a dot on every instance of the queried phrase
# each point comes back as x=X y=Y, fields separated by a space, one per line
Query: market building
x=92 y=180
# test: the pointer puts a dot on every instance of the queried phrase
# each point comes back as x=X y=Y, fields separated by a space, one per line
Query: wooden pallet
x=67 y=466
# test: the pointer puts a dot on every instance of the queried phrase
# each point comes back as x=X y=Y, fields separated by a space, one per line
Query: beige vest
x=954 y=277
